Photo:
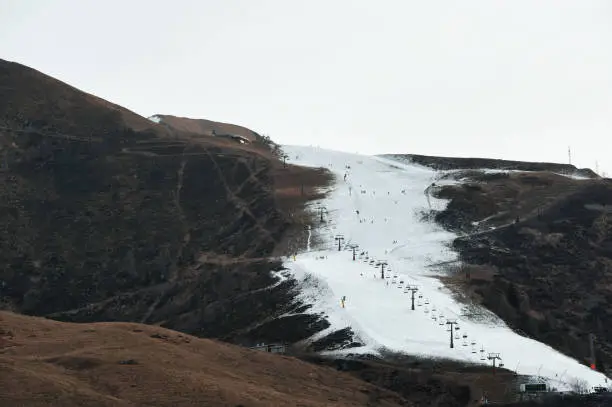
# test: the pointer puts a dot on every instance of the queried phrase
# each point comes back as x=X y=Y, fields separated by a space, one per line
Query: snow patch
x=379 y=206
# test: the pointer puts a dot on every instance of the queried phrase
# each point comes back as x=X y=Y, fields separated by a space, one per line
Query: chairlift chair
x=420 y=296
x=426 y=310
x=426 y=301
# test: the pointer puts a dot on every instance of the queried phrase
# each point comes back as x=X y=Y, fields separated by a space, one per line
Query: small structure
x=271 y=347
x=234 y=137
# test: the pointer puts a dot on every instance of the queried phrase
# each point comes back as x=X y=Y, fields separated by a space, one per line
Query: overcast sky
x=515 y=79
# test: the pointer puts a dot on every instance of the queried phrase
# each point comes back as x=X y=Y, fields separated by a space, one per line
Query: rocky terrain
x=536 y=249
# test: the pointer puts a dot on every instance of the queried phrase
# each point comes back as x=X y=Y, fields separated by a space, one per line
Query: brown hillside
x=205 y=127
x=28 y=93
x=48 y=363
x=105 y=215
x=549 y=275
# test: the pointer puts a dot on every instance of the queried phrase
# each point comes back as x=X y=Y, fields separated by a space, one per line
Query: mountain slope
x=204 y=127
x=460 y=163
x=383 y=206
x=48 y=363
x=106 y=215
x=548 y=274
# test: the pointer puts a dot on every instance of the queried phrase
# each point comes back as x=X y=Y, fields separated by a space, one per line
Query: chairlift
x=501 y=364
x=441 y=322
x=457 y=335
x=393 y=282
x=426 y=301
x=419 y=304
x=420 y=296
x=426 y=310
x=394 y=276
x=433 y=316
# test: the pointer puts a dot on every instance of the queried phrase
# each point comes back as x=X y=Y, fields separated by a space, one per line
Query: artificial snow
x=382 y=206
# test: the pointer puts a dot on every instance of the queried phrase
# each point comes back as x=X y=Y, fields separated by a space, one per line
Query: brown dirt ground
x=49 y=363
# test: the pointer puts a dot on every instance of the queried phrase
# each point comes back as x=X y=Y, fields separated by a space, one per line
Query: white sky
x=515 y=79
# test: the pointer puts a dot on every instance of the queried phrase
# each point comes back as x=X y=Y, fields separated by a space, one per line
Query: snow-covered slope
x=380 y=205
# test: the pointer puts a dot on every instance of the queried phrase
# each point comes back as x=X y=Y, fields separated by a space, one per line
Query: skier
x=356 y=211
x=342 y=300
x=344 y=176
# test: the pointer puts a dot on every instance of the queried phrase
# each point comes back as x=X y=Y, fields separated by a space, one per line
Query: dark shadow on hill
x=106 y=216
x=537 y=250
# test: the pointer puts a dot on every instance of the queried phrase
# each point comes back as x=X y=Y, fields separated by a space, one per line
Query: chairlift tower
x=382 y=264
x=339 y=239
x=494 y=357
x=354 y=247
x=451 y=327
x=413 y=291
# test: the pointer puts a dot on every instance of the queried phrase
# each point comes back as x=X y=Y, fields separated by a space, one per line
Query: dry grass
x=206 y=127
x=49 y=363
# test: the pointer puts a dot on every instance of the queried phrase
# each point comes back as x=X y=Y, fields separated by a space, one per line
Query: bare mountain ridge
x=205 y=127
x=109 y=216
x=467 y=163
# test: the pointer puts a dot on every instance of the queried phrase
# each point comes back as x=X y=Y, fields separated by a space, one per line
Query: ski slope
x=379 y=206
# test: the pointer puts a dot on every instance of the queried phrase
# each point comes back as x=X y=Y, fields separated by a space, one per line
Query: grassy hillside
x=48 y=363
